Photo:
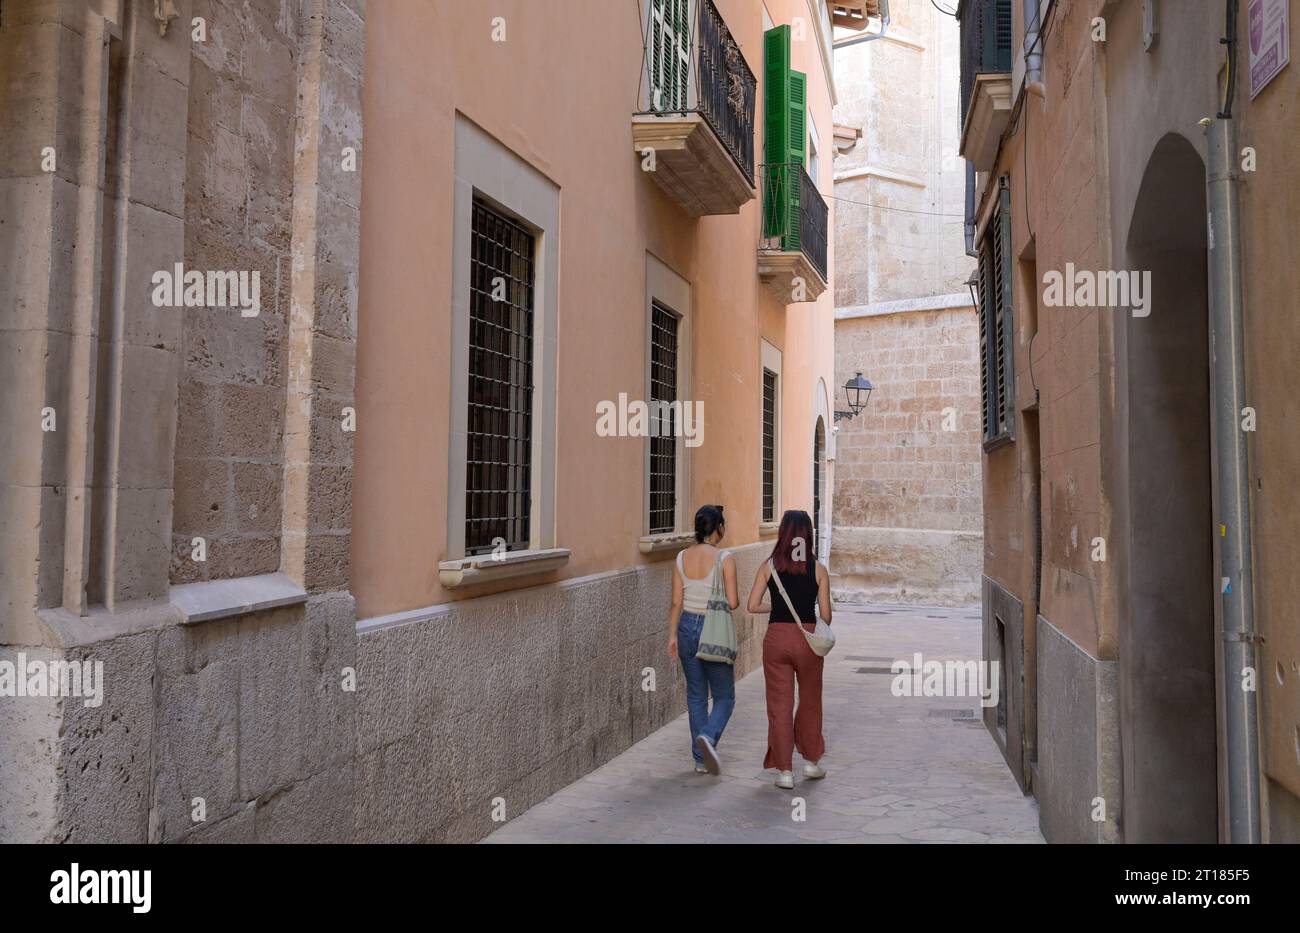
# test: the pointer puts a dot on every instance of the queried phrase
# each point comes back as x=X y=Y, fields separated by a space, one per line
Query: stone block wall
x=516 y=696
x=907 y=475
x=223 y=151
x=238 y=201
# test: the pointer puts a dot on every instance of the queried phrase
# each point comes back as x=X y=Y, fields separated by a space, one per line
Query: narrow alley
x=411 y=409
x=900 y=769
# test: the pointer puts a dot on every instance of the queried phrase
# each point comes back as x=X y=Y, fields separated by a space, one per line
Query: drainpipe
x=969 y=223
x=1033 y=54
x=1241 y=724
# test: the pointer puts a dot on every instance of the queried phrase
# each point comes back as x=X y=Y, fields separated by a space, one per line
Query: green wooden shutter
x=776 y=91
x=654 y=53
x=682 y=29
x=785 y=132
x=776 y=130
x=668 y=54
x=796 y=147
x=798 y=144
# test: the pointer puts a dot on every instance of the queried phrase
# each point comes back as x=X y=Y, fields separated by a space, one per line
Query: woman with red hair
x=787 y=658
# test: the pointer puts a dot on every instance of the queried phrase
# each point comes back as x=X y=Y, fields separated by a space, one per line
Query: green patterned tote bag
x=718 y=637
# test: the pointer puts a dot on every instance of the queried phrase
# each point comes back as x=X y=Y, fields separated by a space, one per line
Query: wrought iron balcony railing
x=692 y=64
x=794 y=213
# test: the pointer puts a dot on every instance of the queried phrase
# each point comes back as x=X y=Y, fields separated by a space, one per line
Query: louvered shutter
x=986 y=359
x=1002 y=35
x=682 y=30
x=995 y=38
x=655 y=53
x=668 y=54
x=1006 y=322
x=776 y=130
x=997 y=322
x=797 y=146
x=998 y=349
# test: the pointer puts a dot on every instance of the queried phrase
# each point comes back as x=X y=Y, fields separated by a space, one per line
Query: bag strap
x=719 y=581
x=784 y=595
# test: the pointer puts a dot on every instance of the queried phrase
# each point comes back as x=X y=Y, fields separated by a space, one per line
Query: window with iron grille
x=498 y=470
x=996 y=328
x=663 y=427
x=769 y=446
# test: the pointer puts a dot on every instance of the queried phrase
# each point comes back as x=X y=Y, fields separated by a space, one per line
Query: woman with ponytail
x=693 y=575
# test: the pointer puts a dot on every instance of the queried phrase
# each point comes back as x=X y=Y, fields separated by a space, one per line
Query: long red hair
x=796 y=526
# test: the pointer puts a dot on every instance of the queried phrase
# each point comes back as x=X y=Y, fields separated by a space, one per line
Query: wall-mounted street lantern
x=971 y=283
x=857 y=390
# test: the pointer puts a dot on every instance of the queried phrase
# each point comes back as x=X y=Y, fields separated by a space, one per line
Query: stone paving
x=901 y=769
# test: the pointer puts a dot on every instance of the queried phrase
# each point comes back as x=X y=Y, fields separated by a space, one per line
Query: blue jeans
x=703 y=677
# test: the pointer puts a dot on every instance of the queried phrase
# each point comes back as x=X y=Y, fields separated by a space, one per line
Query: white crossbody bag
x=821 y=640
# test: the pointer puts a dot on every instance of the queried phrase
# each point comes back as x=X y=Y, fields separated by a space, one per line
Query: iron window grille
x=498 y=470
x=663 y=414
x=769 y=446
x=996 y=324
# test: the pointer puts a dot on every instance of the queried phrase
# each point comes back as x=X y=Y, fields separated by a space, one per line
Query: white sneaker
x=785 y=780
x=700 y=769
x=711 y=761
x=813 y=771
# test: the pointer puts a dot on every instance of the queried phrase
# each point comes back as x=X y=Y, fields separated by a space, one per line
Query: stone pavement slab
x=900 y=769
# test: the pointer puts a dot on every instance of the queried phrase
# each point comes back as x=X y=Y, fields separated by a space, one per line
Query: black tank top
x=802 y=590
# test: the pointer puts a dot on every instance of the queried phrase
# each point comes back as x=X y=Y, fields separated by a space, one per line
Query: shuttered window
x=668 y=57
x=996 y=323
x=785 y=138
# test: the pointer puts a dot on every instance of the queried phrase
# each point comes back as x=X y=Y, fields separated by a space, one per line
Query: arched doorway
x=1166 y=642
x=819 y=482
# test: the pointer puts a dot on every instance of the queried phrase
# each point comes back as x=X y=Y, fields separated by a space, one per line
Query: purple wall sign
x=1270 y=41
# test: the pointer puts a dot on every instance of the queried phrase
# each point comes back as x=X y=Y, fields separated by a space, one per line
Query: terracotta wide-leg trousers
x=787 y=659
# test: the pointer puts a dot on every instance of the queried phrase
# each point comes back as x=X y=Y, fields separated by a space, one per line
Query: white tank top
x=695 y=593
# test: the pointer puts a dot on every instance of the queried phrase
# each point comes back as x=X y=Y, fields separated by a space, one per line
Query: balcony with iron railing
x=792 y=249
x=694 y=123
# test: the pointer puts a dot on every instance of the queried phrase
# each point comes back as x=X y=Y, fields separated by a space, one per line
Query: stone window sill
x=1001 y=440
x=768 y=529
x=487 y=568
x=222 y=599
x=669 y=541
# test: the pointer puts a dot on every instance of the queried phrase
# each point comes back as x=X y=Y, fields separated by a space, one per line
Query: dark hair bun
x=708 y=520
